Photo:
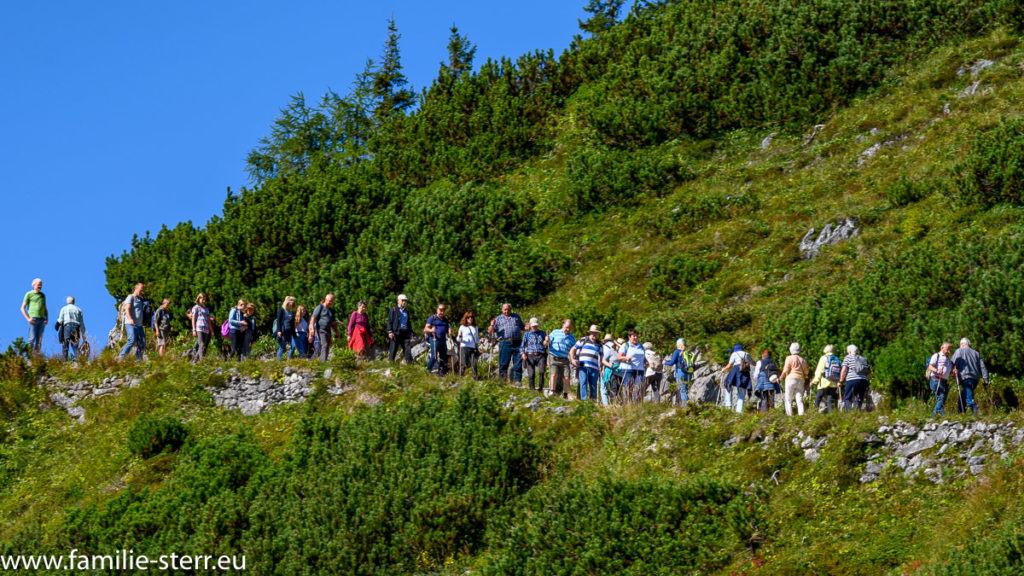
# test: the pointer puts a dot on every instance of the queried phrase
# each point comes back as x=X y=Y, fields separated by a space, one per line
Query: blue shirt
x=589 y=353
x=559 y=343
x=533 y=342
x=441 y=326
x=509 y=327
x=635 y=352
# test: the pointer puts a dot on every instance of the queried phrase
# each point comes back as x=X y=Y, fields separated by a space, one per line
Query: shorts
x=164 y=339
x=558 y=366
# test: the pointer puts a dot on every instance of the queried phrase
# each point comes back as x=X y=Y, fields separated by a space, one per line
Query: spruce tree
x=389 y=82
x=603 y=15
x=460 y=53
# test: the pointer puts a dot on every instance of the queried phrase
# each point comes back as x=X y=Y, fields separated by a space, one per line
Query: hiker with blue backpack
x=855 y=374
x=939 y=367
x=737 y=378
x=968 y=368
x=766 y=382
x=826 y=379
x=683 y=366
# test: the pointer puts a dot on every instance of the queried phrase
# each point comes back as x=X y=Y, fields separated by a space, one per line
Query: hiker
x=855 y=375
x=794 y=374
x=508 y=328
x=302 y=330
x=162 y=326
x=469 y=344
x=766 y=382
x=359 y=338
x=400 y=330
x=609 y=367
x=737 y=378
x=654 y=373
x=534 y=354
x=236 y=329
x=133 y=309
x=436 y=330
x=682 y=363
x=633 y=375
x=940 y=365
x=33 y=308
x=826 y=380
x=586 y=355
x=284 y=327
x=968 y=367
x=558 y=343
x=249 y=336
x=324 y=324
x=71 y=328
x=201 y=323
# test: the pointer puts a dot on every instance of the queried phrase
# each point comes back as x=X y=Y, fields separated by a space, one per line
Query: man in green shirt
x=33 y=308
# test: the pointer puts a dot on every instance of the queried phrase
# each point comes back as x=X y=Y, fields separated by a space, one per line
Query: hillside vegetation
x=625 y=184
x=658 y=175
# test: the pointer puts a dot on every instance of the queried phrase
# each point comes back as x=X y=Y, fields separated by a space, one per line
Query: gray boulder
x=830 y=235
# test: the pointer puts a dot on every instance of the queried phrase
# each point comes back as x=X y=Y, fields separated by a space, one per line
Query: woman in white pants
x=795 y=374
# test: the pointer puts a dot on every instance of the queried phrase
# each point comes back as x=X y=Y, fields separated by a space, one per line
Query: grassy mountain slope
x=438 y=478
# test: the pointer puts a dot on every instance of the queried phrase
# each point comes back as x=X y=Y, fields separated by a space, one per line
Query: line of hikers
x=607 y=369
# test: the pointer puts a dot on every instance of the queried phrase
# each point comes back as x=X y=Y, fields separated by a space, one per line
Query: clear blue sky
x=119 y=117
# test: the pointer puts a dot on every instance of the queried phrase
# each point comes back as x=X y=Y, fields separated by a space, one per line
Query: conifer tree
x=389 y=82
x=460 y=53
x=603 y=15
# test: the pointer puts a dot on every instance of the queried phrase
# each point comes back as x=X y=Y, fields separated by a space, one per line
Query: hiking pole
x=959 y=397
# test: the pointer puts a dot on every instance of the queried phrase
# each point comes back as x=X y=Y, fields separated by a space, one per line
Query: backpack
x=861 y=366
x=225 y=328
x=769 y=367
x=657 y=362
x=928 y=365
x=745 y=363
x=833 y=368
x=147 y=313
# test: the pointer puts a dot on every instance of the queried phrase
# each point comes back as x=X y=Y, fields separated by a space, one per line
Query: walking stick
x=959 y=397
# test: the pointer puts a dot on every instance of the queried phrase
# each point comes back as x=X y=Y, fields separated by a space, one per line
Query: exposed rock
x=812 y=455
x=813 y=134
x=971 y=89
x=831 y=235
x=767 y=142
x=975 y=68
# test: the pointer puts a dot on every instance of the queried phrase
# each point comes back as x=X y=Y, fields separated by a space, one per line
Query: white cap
x=534 y=322
x=402 y=297
x=794 y=348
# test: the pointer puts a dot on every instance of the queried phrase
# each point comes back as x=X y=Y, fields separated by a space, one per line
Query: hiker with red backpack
x=826 y=379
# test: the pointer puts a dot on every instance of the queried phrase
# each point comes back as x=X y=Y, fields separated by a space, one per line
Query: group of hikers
x=608 y=370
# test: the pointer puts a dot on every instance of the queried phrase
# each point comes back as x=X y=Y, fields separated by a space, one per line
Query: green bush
x=673 y=275
x=396 y=489
x=905 y=191
x=647 y=526
x=993 y=172
x=151 y=435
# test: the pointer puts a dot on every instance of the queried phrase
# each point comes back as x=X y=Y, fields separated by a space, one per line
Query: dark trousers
x=508 y=352
x=69 y=337
x=654 y=383
x=765 y=400
x=856 y=391
x=403 y=341
x=535 y=366
x=237 y=344
x=468 y=356
x=438 y=359
x=829 y=395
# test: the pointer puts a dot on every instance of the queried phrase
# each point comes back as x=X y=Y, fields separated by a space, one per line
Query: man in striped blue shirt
x=586 y=354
